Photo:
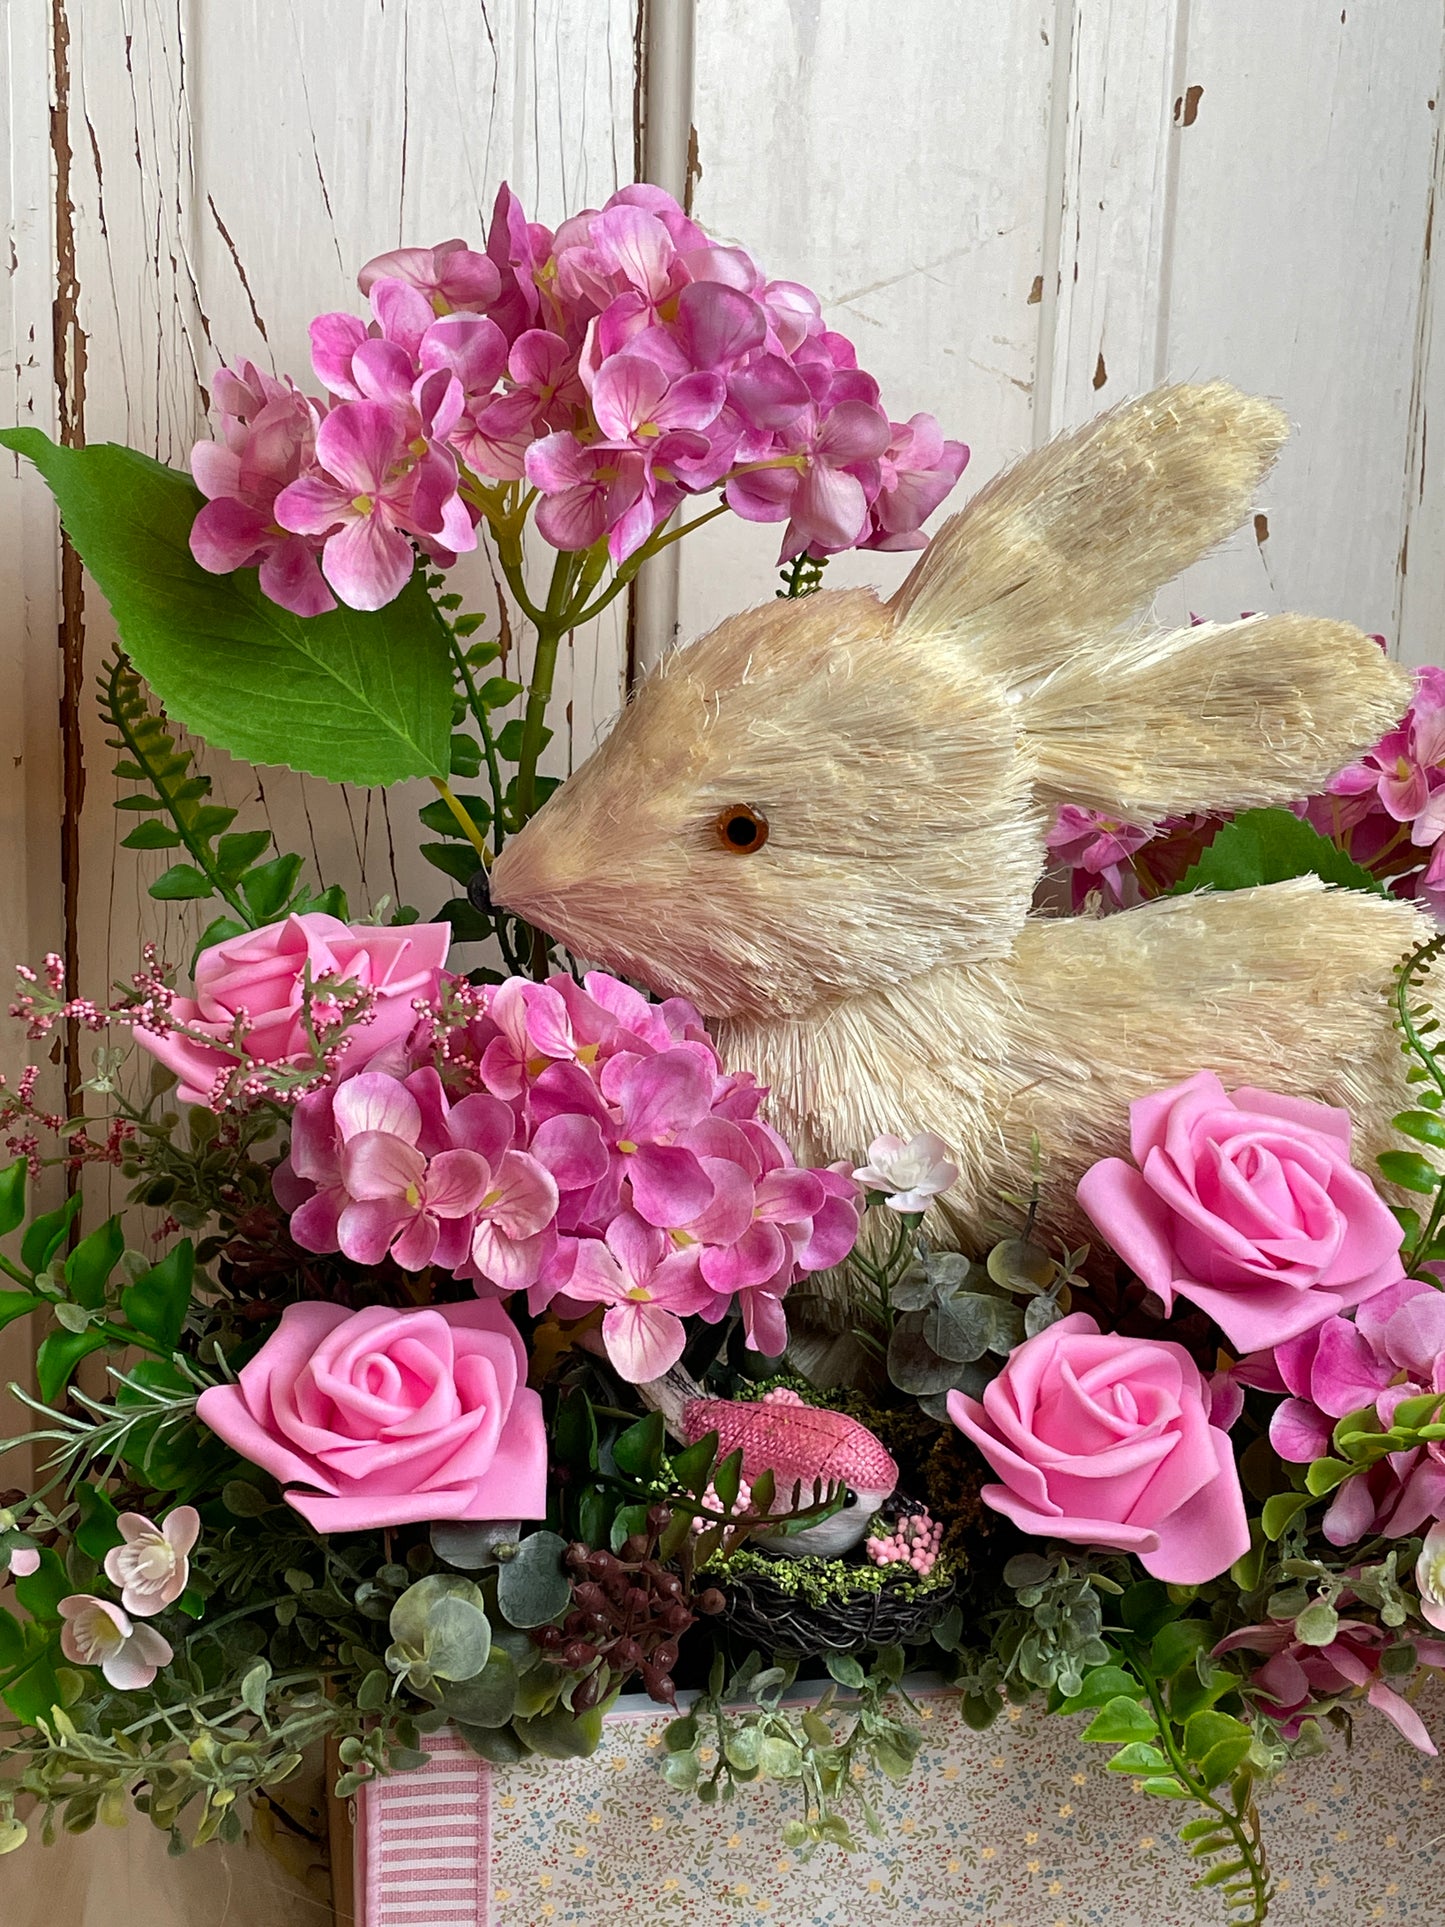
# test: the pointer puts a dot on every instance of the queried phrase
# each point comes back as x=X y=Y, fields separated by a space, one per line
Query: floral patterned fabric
x=1017 y=1827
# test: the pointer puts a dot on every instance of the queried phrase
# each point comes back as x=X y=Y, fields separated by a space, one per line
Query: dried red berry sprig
x=629 y=1614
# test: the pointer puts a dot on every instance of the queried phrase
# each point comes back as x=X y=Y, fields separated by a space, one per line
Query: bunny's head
x=826 y=796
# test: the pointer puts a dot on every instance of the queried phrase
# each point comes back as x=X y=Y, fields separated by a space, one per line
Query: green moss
x=832 y=1582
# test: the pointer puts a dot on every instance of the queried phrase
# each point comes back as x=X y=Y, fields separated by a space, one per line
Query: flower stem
x=1233 y=1822
x=467 y=826
x=483 y=722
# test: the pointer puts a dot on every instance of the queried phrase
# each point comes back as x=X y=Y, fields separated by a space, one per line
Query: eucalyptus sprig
x=742 y=1729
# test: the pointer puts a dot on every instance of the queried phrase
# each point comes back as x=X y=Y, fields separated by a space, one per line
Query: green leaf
x=1279 y=1510
x=727 y=1480
x=465 y=756
x=780 y=1758
x=1325 y=1474
x=560 y=1735
x=46 y=1235
x=1220 y=1762
x=1270 y=846
x=1318 y=1624
x=15 y=1304
x=12 y=1196
x=31 y=1694
x=1177 y=1644
x=353 y=696
x=91 y=1263
x=1409 y=1170
x=1203 y=1732
x=497 y=692
x=182 y=883
x=268 y=887
x=1103 y=1684
x=58 y=1356
x=254 y=1683
x=1121 y=1719
x=41 y=1591
x=152 y=836
x=691 y=1466
x=846 y=1670
x=97 y=1531
x=637 y=1452
x=509 y=740
x=1137 y=1757
x=487 y=1700
x=156 y=1304
x=439 y=818
x=12 y=1641
x=459 y=860
x=1146 y=1606
x=237 y=853
x=533 y=1588
x=1426 y=1127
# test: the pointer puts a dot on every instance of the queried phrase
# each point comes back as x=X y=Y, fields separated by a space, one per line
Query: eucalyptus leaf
x=533 y=1588
x=473 y=1544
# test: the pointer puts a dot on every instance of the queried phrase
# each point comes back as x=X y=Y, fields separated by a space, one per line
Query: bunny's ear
x=1228 y=716
x=1077 y=537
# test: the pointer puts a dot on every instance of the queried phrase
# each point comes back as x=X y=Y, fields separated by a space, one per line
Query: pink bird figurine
x=801 y=1445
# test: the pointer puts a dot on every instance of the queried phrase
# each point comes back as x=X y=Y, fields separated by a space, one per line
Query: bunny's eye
x=741 y=828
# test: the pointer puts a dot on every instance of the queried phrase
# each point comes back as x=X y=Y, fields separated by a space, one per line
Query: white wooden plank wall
x=1021 y=210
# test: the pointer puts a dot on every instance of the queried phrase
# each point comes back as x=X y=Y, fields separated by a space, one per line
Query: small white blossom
x=152 y=1565
x=911 y=1174
x=96 y=1633
x=1430 y=1575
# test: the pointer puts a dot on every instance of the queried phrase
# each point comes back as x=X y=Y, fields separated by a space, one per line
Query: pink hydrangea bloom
x=1097 y=848
x=1246 y=1204
x=372 y=489
x=1299 y=1682
x=268 y=440
x=1407 y=767
x=583 y=1143
x=1392 y=1348
x=621 y=364
x=648 y=1285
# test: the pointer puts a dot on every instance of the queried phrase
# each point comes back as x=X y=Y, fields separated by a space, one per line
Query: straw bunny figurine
x=824 y=823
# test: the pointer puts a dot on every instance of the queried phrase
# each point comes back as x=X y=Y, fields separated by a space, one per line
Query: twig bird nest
x=803 y=1607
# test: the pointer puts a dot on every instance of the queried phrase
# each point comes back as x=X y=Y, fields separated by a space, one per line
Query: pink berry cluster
x=616 y=366
x=914 y=1541
x=581 y=1144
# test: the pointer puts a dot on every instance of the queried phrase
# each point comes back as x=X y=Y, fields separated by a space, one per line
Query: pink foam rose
x=381 y=1418
x=1249 y=1206
x=262 y=974
x=1102 y=1440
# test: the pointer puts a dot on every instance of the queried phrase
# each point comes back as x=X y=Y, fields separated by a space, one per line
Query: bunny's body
x=1281 y=986
x=824 y=823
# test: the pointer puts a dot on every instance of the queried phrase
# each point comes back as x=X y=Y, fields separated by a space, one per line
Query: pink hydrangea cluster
x=618 y=365
x=582 y=1144
x=1390 y=806
x=914 y=1541
x=1391 y=1348
x=1297 y=1681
